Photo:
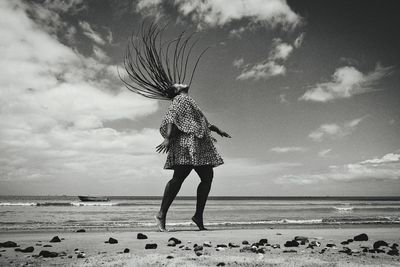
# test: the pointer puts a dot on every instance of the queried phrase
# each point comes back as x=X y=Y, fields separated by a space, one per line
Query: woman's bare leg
x=206 y=174
x=171 y=190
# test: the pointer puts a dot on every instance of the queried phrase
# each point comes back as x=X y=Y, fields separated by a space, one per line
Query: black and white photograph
x=199 y=133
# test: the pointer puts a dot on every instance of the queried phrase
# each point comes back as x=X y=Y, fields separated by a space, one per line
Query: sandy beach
x=316 y=247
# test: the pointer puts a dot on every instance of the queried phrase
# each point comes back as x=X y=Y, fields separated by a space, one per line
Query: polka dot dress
x=193 y=145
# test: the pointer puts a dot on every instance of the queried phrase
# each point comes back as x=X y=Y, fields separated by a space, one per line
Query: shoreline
x=96 y=252
x=192 y=227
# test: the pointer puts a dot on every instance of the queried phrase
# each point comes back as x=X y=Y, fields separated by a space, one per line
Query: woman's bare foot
x=199 y=223
x=160 y=223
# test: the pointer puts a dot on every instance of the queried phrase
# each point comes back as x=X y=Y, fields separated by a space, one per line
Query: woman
x=157 y=71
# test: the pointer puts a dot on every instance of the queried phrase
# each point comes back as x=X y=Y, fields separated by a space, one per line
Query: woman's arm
x=218 y=131
x=170 y=134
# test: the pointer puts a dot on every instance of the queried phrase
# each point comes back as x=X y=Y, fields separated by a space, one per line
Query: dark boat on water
x=92 y=198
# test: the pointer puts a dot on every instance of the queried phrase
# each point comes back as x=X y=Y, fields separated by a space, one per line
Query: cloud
x=210 y=13
x=238 y=62
x=271 y=67
x=262 y=71
x=334 y=130
x=324 y=153
x=55 y=105
x=91 y=34
x=346 y=82
x=288 y=149
x=282 y=99
x=299 y=40
x=385 y=168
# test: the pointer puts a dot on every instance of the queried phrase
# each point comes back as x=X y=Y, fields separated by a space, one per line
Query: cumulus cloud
x=346 y=82
x=271 y=67
x=324 y=153
x=334 y=130
x=238 y=62
x=288 y=149
x=55 y=104
x=385 y=168
x=91 y=34
x=211 y=13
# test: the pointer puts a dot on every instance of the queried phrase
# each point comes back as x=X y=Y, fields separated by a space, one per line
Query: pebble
x=330 y=245
x=199 y=253
x=263 y=242
x=233 y=245
x=48 y=254
x=8 y=244
x=220 y=249
x=151 y=246
x=292 y=243
x=81 y=255
x=126 y=250
x=47 y=246
x=112 y=240
x=380 y=243
x=361 y=237
x=221 y=264
x=25 y=250
x=222 y=246
x=171 y=243
x=170 y=257
x=289 y=251
x=198 y=248
x=301 y=238
x=276 y=246
x=245 y=242
x=81 y=231
x=141 y=236
x=55 y=239
x=207 y=244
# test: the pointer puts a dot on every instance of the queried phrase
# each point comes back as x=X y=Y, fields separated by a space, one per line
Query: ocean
x=37 y=213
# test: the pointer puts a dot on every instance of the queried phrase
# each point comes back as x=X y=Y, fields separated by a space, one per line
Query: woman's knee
x=206 y=173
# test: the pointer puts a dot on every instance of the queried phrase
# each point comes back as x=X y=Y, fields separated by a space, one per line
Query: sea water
x=27 y=213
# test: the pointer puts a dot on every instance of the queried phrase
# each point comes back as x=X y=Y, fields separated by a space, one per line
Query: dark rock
x=289 y=251
x=38 y=244
x=181 y=246
x=263 y=242
x=25 y=250
x=276 y=246
x=380 y=243
x=344 y=243
x=8 y=244
x=261 y=250
x=291 y=243
x=187 y=248
x=171 y=243
x=80 y=255
x=141 y=236
x=151 y=246
x=245 y=242
x=55 y=239
x=346 y=250
x=278 y=234
x=112 y=240
x=222 y=246
x=361 y=237
x=207 y=244
x=393 y=252
x=233 y=245
x=255 y=245
x=170 y=257
x=69 y=256
x=126 y=250
x=221 y=264
x=302 y=242
x=199 y=253
x=198 y=248
x=247 y=248
x=47 y=246
x=81 y=231
x=300 y=238
x=350 y=240
x=330 y=245
x=322 y=251
x=174 y=240
x=48 y=254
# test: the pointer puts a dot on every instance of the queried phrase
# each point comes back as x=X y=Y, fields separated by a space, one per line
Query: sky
x=308 y=90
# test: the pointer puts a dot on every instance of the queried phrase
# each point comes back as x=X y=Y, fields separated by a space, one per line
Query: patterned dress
x=193 y=145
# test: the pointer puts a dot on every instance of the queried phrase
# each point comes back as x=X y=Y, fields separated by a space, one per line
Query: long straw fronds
x=153 y=66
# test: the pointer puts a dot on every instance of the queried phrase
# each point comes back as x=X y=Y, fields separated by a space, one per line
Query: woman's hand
x=224 y=134
x=164 y=146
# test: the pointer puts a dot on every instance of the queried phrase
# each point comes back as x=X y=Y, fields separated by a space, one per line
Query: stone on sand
x=8 y=244
x=48 y=254
x=361 y=237
x=55 y=239
x=141 y=236
x=25 y=250
x=151 y=246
